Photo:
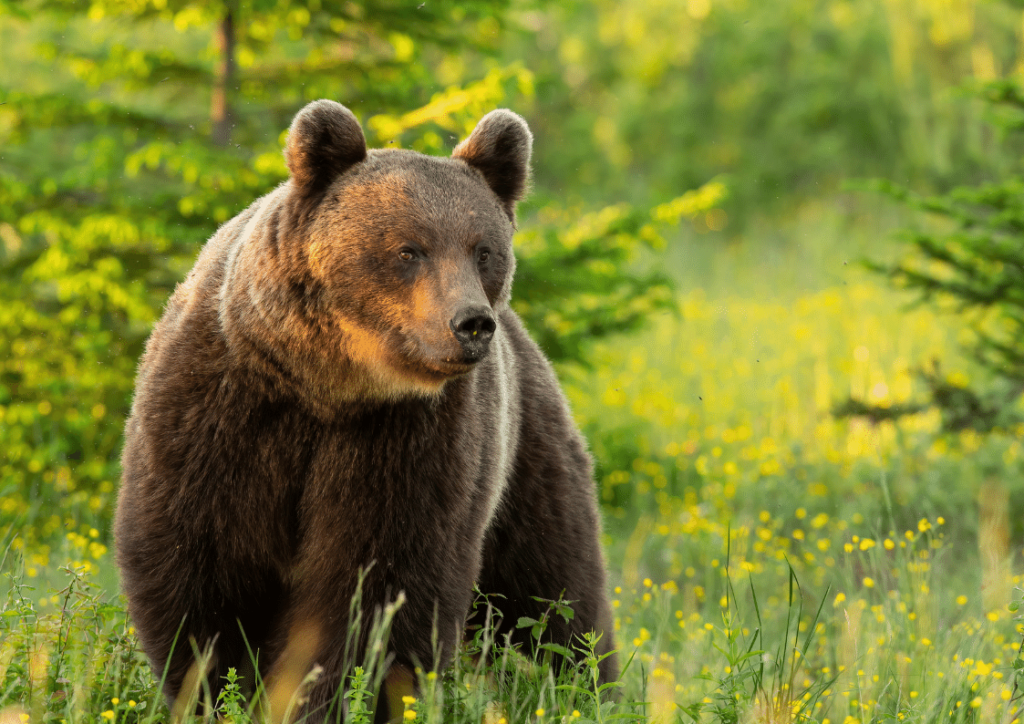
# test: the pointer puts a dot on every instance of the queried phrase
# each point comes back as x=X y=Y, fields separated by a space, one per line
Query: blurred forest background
x=704 y=255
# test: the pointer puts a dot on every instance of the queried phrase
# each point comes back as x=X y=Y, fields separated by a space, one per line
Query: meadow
x=770 y=561
x=689 y=258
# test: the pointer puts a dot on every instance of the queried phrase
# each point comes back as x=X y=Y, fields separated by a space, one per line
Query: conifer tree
x=969 y=257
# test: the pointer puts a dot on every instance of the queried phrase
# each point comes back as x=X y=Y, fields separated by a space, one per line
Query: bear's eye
x=407 y=254
x=484 y=256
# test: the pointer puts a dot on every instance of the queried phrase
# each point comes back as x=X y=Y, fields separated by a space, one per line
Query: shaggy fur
x=339 y=382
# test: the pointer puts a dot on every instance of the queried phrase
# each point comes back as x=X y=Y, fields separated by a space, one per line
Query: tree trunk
x=220 y=106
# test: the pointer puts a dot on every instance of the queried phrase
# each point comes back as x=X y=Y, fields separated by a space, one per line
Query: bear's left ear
x=324 y=140
x=500 y=148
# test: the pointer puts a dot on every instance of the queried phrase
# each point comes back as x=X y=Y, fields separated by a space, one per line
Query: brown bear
x=339 y=388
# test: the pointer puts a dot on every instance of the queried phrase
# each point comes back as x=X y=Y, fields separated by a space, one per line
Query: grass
x=770 y=562
x=80 y=663
x=751 y=642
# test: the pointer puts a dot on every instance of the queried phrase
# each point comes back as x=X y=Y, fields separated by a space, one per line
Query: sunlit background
x=775 y=249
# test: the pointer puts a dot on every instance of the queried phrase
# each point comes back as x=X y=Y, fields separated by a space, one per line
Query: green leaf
x=555 y=648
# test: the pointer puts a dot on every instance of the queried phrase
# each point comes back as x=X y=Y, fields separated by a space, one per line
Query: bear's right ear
x=324 y=140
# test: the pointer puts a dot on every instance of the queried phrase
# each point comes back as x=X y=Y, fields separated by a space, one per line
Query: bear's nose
x=473 y=327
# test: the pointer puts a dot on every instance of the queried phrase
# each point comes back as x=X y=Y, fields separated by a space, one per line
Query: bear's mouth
x=436 y=362
x=433 y=370
x=449 y=367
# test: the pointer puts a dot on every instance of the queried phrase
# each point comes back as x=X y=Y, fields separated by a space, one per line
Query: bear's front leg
x=560 y=559
x=343 y=587
x=545 y=539
x=193 y=623
x=331 y=646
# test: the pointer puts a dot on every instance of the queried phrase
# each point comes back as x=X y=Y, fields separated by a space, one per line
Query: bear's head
x=396 y=265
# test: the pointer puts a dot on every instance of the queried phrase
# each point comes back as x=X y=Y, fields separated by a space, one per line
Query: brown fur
x=339 y=382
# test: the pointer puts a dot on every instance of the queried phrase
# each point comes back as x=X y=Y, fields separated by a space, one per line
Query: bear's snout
x=473 y=327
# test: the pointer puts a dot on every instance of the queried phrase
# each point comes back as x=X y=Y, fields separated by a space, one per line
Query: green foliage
x=76 y=662
x=786 y=98
x=358 y=694
x=970 y=259
x=975 y=261
x=231 y=701
x=538 y=626
x=576 y=281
